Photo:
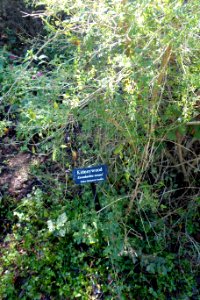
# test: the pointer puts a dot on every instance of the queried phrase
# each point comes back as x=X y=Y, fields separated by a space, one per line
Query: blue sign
x=91 y=174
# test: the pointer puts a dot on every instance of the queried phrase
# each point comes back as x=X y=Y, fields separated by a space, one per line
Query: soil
x=16 y=25
x=15 y=177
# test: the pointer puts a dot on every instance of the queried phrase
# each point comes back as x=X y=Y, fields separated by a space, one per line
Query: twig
x=195 y=123
x=180 y=155
x=164 y=63
x=34 y=15
x=113 y=202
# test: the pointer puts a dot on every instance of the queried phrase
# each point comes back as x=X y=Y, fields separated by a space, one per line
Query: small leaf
x=74 y=155
x=197 y=132
x=50 y=225
x=118 y=149
x=6 y=130
x=182 y=129
x=62 y=232
x=63 y=146
x=42 y=56
x=171 y=135
x=32 y=114
x=127 y=176
x=55 y=105
x=62 y=219
x=54 y=154
x=151 y=268
x=33 y=150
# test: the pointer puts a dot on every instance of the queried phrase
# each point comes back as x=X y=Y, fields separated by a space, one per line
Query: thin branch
x=193 y=123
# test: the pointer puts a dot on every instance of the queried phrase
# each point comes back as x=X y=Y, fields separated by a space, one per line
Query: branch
x=195 y=123
x=164 y=63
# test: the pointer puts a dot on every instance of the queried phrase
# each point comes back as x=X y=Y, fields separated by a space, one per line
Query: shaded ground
x=15 y=178
x=14 y=26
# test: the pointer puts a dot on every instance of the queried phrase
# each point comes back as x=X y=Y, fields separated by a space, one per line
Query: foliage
x=113 y=82
x=91 y=254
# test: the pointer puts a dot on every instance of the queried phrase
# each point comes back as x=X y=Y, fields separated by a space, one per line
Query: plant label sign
x=89 y=175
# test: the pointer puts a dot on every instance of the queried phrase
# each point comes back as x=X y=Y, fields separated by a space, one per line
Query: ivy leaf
x=62 y=219
x=50 y=225
x=151 y=268
x=62 y=232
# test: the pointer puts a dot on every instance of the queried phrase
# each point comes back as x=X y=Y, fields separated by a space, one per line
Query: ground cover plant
x=115 y=83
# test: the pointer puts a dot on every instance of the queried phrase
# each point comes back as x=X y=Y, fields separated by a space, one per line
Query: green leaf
x=172 y=135
x=62 y=219
x=50 y=225
x=197 y=132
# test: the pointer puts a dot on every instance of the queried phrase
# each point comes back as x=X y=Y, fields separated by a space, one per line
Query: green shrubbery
x=114 y=82
x=64 y=251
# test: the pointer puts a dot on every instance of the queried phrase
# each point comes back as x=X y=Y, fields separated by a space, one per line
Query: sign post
x=91 y=175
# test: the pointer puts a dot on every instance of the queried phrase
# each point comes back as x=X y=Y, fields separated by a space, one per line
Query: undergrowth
x=115 y=83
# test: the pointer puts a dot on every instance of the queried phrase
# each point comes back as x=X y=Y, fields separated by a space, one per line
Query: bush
x=114 y=82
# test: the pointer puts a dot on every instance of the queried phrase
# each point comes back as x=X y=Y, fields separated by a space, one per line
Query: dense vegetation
x=105 y=82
